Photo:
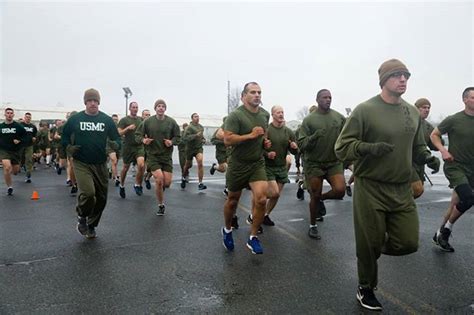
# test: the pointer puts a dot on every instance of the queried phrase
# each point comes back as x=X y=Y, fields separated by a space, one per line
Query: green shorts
x=221 y=156
x=326 y=170
x=132 y=153
x=277 y=173
x=111 y=148
x=239 y=175
x=191 y=154
x=13 y=156
x=62 y=152
x=154 y=163
x=458 y=173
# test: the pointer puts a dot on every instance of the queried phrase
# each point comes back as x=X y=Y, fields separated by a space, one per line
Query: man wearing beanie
x=85 y=139
x=384 y=130
x=158 y=134
x=418 y=175
x=458 y=165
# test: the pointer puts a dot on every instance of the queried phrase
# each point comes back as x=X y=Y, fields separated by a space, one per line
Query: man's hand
x=317 y=134
x=73 y=149
x=267 y=143
x=147 y=141
x=257 y=132
x=433 y=163
x=293 y=145
x=16 y=141
x=168 y=143
x=131 y=127
x=376 y=149
x=271 y=155
x=446 y=156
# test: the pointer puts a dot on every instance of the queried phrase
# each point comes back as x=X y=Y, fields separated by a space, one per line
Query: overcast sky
x=185 y=52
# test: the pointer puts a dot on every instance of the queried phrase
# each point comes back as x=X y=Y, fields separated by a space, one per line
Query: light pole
x=128 y=93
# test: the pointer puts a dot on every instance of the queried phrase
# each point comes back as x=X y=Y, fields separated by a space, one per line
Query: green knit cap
x=422 y=101
x=91 y=95
x=388 y=68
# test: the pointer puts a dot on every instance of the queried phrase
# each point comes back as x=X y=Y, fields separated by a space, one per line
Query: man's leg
x=140 y=170
x=230 y=207
x=199 y=158
x=315 y=189
x=123 y=174
x=259 y=201
x=113 y=164
x=273 y=195
x=337 y=187
x=7 y=172
x=85 y=181
x=100 y=178
x=29 y=160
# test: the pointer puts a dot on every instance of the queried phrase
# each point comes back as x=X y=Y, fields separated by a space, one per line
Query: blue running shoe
x=147 y=184
x=228 y=241
x=254 y=245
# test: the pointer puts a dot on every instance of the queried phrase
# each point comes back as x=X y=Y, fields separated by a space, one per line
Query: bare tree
x=234 y=99
x=302 y=112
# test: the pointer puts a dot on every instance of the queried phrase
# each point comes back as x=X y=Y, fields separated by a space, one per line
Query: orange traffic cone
x=35 y=195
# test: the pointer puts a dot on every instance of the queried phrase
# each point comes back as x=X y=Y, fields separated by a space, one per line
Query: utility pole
x=128 y=93
x=228 y=96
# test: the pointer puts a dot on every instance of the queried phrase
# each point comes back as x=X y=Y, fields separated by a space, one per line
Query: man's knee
x=466 y=197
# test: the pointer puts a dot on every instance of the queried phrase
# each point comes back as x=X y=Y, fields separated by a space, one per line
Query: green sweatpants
x=182 y=158
x=385 y=222
x=92 y=180
x=27 y=155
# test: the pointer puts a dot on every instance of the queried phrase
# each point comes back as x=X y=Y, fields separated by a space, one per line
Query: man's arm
x=232 y=139
x=436 y=140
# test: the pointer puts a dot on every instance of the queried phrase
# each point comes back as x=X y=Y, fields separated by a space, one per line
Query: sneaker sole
x=78 y=231
x=251 y=249
x=372 y=308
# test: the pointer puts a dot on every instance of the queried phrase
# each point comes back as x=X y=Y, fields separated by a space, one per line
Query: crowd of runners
x=385 y=142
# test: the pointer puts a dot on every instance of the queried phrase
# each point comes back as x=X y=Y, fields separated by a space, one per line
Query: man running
x=194 y=139
x=27 y=148
x=85 y=138
x=158 y=134
x=113 y=152
x=132 y=151
x=458 y=165
x=12 y=137
x=244 y=130
x=221 y=154
x=318 y=134
x=381 y=136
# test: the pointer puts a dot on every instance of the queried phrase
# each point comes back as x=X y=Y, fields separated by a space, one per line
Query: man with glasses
x=381 y=136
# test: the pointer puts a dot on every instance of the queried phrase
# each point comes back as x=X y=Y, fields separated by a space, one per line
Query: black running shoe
x=268 y=221
x=212 y=170
x=313 y=233
x=82 y=225
x=260 y=230
x=349 y=190
x=225 y=192
x=443 y=240
x=10 y=191
x=122 y=192
x=28 y=180
x=320 y=219
x=201 y=186
x=183 y=182
x=138 y=190
x=74 y=189
x=367 y=299
x=249 y=220
x=147 y=184
x=90 y=234
x=69 y=182
x=59 y=170
x=161 y=210
x=300 y=193
x=117 y=183
x=235 y=222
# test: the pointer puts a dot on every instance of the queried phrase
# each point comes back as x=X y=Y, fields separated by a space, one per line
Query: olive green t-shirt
x=43 y=137
x=377 y=121
x=321 y=150
x=460 y=130
x=219 y=143
x=158 y=130
x=280 y=138
x=241 y=122
x=90 y=133
x=129 y=136
x=191 y=138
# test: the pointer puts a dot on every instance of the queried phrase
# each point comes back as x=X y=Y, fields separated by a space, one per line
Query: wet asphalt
x=142 y=263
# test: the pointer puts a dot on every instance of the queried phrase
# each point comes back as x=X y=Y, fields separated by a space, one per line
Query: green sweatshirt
x=376 y=121
x=158 y=130
x=90 y=133
x=191 y=138
x=10 y=132
x=241 y=121
x=460 y=130
x=129 y=136
x=280 y=138
x=321 y=149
